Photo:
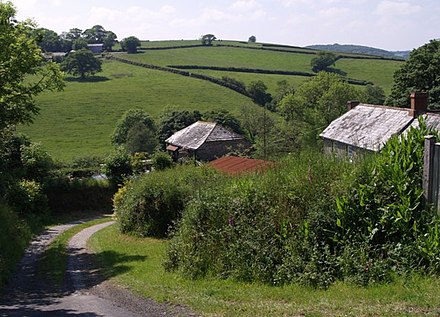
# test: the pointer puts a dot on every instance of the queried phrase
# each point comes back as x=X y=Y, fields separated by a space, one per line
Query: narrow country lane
x=86 y=292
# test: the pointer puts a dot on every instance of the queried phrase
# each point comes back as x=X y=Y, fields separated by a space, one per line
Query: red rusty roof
x=235 y=165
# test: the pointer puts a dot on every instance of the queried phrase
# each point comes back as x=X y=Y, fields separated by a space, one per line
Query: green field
x=226 y=57
x=78 y=121
x=411 y=296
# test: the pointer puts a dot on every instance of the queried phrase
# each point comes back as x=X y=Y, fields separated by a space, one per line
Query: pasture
x=78 y=121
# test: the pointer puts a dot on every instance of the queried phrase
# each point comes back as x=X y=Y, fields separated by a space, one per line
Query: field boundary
x=266 y=47
x=184 y=73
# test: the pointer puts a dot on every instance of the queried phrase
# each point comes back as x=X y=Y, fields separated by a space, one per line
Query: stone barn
x=366 y=127
x=205 y=141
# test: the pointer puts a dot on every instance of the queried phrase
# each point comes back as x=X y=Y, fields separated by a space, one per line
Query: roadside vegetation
x=413 y=295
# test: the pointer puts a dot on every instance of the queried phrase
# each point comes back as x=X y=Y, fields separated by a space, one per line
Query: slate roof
x=371 y=126
x=237 y=165
x=200 y=132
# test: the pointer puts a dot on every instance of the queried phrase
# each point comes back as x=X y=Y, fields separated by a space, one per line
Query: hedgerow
x=314 y=220
x=149 y=204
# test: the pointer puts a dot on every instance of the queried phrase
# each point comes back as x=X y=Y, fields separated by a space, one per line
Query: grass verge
x=414 y=295
x=53 y=263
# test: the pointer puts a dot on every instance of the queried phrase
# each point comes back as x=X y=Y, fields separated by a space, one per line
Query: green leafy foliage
x=323 y=61
x=20 y=58
x=81 y=63
x=258 y=92
x=149 y=204
x=13 y=240
x=207 y=39
x=130 y=44
x=27 y=197
x=118 y=166
x=384 y=221
x=250 y=228
x=316 y=103
x=132 y=121
x=161 y=161
x=418 y=73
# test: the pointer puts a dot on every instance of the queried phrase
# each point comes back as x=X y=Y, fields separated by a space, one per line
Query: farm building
x=96 y=48
x=205 y=141
x=366 y=127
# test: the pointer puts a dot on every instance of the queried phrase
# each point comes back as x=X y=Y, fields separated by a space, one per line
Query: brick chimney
x=352 y=104
x=419 y=103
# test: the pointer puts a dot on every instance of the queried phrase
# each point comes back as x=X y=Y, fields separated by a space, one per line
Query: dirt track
x=85 y=293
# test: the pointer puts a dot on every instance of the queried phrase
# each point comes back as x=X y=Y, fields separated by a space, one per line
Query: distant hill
x=359 y=49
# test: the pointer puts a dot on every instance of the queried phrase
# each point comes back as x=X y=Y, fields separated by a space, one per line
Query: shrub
x=149 y=204
x=13 y=240
x=384 y=220
x=251 y=227
x=37 y=162
x=161 y=161
x=27 y=197
x=118 y=167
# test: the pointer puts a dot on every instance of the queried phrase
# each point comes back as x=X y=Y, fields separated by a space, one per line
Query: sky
x=386 y=24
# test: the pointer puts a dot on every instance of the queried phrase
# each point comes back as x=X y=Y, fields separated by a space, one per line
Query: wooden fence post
x=436 y=176
x=428 y=166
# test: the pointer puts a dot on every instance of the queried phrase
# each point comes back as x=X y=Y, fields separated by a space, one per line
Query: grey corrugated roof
x=193 y=136
x=368 y=126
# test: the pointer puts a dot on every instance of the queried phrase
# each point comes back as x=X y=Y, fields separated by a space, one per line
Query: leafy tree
x=82 y=63
x=256 y=122
x=316 y=103
x=141 y=138
x=79 y=44
x=130 y=120
x=374 y=95
x=207 y=39
x=98 y=35
x=23 y=71
x=130 y=44
x=252 y=39
x=323 y=61
x=421 y=72
x=172 y=121
x=225 y=119
x=161 y=161
x=258 y=92
x=118 y=167
x=234 y=82
x=73 y=34
x=49 y=40
x=109 y=41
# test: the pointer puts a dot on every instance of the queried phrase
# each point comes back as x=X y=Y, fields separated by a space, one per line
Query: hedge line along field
x=380 y=72
x=79 y=120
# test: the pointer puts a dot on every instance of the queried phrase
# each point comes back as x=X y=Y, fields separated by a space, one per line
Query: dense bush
x=27 y=197
x=250 y=228
x=384 y=221
x=72 y=195
x=314 y=220
x=161 y=160
x=14 y=237
x=117 y=166
x=149 y=204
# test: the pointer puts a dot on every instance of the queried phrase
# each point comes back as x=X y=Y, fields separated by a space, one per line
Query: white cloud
x=393 y=8
x=244 y=5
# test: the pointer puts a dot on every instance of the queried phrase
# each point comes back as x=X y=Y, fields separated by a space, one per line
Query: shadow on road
x=35 y=312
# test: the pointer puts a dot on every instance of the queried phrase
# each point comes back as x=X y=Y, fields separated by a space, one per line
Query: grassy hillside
x=78 y=121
